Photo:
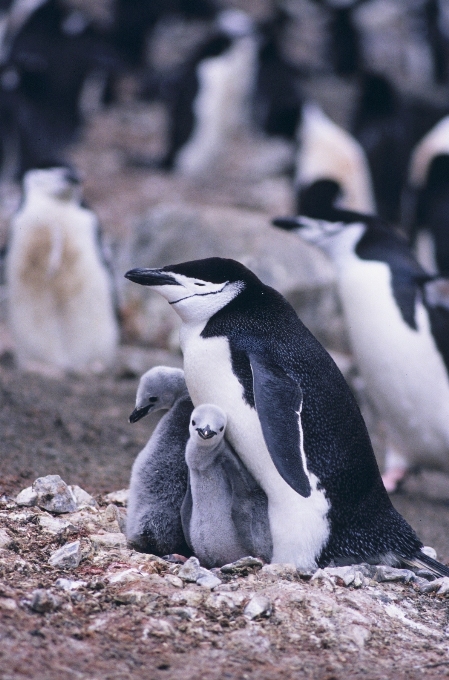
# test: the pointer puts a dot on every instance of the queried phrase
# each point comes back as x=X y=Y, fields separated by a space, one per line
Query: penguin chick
x=159 y=473
x=60 y=294
x=292 y=419
x=397 y=317
x=225 y=512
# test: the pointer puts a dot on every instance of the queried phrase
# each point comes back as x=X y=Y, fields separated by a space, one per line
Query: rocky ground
x=111 y=613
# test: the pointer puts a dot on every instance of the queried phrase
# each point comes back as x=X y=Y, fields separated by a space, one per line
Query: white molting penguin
x=292 y=419
x=159 y=473
x=326 y=151
x=225 y=512
x=60 y=294
x=429 y=191
x=397 y=318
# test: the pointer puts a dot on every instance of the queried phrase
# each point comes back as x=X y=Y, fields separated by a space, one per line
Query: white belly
x=299 y=526
x=404 y=373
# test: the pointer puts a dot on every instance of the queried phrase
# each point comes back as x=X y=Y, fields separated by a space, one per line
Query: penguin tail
x=423 y=561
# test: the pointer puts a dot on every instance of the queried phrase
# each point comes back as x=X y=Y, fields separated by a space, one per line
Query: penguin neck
x=201 y=459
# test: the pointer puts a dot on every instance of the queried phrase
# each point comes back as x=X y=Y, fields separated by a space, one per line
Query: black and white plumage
x=291 y=417
x=398 y=323
x=225 y=512
x=60 y=291
x=159 y=473
x=327 y=152
x=208 y=100
x=428 y=192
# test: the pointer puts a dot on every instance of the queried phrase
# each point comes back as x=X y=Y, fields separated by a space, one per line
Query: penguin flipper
x=278 y=400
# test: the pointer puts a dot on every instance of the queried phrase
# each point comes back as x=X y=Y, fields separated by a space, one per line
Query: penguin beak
x=286 y=223
x=206 y=432
x=151 y=277
x=139 y=412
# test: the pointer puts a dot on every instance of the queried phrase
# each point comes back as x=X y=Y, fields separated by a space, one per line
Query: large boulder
x=175 y=233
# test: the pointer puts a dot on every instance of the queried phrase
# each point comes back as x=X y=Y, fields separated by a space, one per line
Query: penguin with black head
x=397 y=317
x=291 y=417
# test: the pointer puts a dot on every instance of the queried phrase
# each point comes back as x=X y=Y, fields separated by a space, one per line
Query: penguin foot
x=392 y=477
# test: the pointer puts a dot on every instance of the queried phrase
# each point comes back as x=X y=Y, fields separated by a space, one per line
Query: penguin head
x=197 y=289
x=158 y=389
x=207 y=429
x=235 y=23
x=58 y=182
x=337 y=238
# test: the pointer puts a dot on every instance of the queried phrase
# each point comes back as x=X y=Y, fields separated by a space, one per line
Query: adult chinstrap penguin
x=225 y=512
x=60 y=290
x=159 y=473
x=398 y=323
x=292 y=419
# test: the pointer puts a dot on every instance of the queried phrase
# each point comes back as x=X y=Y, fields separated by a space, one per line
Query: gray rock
x=43 y=601
x=69 y=584
x=439 y=585
x=53 y=494
x=287 y=572
x=82 y=498
x=280 y=259
x=208 y=581
x=27 y=497
x=384 y=573
x=67 y=557
x=259 y=605
x=242 y=565
x=53 y=525
x=5 y=538
x=108 y=540
x=191 y=570
x=117 y=497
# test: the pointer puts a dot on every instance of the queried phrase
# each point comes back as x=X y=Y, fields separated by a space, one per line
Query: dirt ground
x=78 y=428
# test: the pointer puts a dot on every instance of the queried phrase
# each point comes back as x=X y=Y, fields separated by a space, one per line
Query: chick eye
x=199 y=284
x=152 y=399
x=221 y=428
x=193 y=422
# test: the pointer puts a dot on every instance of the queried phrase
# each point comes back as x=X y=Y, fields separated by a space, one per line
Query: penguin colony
x=261 y=436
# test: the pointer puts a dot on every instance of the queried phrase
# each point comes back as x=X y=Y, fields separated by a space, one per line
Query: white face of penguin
x=336 y=239
x=196 y=300
x=57 y=182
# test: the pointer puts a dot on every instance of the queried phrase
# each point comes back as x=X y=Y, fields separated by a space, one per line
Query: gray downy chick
x=159 y=474
x=225 y=512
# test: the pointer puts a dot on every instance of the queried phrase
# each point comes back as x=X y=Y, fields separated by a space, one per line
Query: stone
x=27 y=497
x=82 y=498
x=280 y=259
x=43 y=601
x=191 y=570
x=8 y=604
x=69 y=584
x=242 y=565
x=158 y=628
x=108 y=540
x=114 y=519
x=191 y=598
x=53 y=525
x=67 y=557
x=5 y=538
x=208 y=581
x=384 y=573
x=186 y=613
x=54 y=495
x=273 y=572
x=175 y=581
x=259 y=605
x=118 y=497
x=439 y=585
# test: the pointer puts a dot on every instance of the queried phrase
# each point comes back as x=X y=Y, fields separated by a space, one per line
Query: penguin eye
x=193 y=423
x=152 y=399
x=221 y=428
x=199 y=284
